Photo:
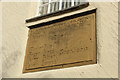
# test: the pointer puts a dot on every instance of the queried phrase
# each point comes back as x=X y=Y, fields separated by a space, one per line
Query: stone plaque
x=66 y=42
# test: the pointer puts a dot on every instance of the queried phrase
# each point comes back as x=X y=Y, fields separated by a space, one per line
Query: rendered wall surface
x=0 y=40
x=15 y=36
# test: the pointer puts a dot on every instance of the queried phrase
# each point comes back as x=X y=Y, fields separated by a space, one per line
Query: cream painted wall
x=15 y=36
x=0 y=39
x=107 y=32
x=119 y=37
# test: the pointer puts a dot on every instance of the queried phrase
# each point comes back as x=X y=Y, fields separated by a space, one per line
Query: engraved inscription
x=62 y=43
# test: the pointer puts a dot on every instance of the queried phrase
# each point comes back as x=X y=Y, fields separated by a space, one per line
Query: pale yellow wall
x=0 y=39
x=119 y=37
x=107 y=35
x=15 y=36
x=33 y=9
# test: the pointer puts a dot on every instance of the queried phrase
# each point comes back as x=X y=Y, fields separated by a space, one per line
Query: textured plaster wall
x=15 y=36
x=107 y=34
x=119 y=37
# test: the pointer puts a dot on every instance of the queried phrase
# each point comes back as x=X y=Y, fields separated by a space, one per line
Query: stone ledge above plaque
x=62 y=41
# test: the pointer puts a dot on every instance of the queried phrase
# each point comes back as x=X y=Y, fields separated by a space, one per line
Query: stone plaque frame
x=65 y=42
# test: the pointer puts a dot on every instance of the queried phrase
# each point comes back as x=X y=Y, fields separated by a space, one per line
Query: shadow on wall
x=9 y=60
x=119 y=38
